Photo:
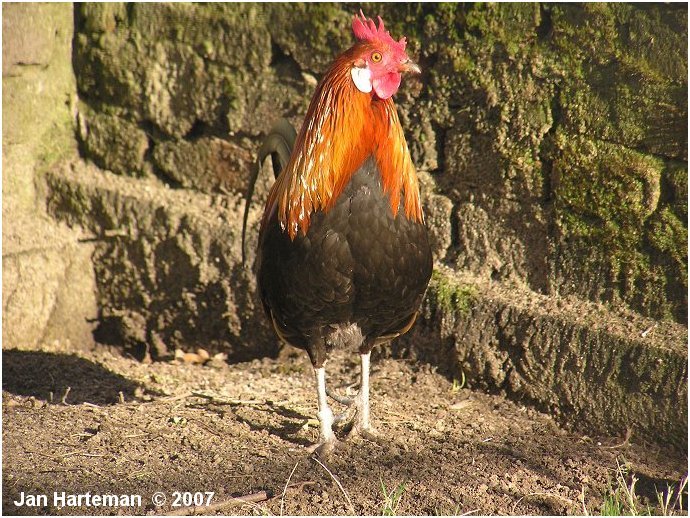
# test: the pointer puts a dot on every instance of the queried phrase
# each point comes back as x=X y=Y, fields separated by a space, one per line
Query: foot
x=324 y=448
x=355 y=419
x=367 y=432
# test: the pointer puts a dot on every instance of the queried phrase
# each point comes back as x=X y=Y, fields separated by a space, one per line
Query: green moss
x=604 y=194
x=207 y=48
x=450 y=295
x=610 y=183
x=509 y=73
x=609 y=205
x=675 y=180
x=102 y=17
x=510 y=25
x=617 y=85
x=668 y=235
x=320 y=24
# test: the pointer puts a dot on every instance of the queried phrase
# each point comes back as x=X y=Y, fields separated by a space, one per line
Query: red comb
x=365 y=30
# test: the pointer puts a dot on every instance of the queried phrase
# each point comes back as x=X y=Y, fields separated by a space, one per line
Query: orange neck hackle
x=342 y=128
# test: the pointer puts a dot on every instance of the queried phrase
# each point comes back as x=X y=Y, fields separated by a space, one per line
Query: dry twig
x=550 y=495
x=287 y=482
x=644 y=333
x=41 y=454
x=352 y=507
x=261 y=496
x=135 y=435
x=299 y=485
x=224 y=401
x=582 y=499
x=66 y=470
x=626 y=440
x=81 y=454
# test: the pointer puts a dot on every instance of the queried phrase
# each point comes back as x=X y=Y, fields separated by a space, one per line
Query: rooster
x=343 y=257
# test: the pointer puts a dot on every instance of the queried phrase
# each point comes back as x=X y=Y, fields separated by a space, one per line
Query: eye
x=376 y=57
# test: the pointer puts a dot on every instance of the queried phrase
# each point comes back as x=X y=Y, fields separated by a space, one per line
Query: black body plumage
x=356 y=278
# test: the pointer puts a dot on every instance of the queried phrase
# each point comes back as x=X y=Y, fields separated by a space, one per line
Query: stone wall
x=558 y=132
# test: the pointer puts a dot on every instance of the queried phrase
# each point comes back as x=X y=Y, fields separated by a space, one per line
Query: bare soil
x=127 y=427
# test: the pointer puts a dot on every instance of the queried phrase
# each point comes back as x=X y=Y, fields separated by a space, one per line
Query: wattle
x=386 y=85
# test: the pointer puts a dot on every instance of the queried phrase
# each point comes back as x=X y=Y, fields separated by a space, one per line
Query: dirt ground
x=101 y=422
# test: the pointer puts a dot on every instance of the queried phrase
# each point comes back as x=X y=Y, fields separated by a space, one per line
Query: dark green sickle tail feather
x=278 y=143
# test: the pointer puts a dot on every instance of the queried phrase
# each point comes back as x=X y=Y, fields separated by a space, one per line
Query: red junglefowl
x=343 y=258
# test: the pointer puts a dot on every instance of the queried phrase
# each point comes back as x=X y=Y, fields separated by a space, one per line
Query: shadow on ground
x=241 y=430
x=36 y=373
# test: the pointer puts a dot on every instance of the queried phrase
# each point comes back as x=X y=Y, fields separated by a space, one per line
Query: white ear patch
x=362 y=79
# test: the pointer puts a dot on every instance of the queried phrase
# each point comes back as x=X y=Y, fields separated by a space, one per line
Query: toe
x=343 y=400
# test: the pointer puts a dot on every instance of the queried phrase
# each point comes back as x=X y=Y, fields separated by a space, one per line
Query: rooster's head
x=380 y=60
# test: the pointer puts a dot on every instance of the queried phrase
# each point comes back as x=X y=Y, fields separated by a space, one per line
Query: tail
x=278 y=143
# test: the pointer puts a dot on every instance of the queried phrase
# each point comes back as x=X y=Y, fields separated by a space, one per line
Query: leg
x=362 y=425
x=327 y=439
x=359 y=423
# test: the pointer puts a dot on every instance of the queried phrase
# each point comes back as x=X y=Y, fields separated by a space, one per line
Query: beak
x=410 y=66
